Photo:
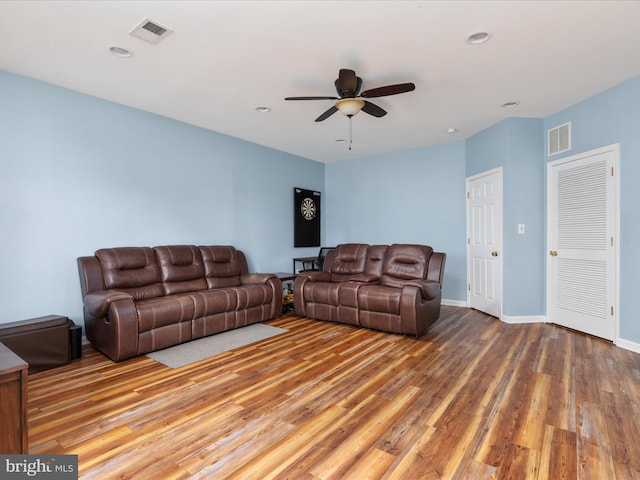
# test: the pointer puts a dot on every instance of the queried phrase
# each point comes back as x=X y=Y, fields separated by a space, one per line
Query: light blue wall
x=516 y=145
x=524 y=291
x=78 y=173
x=488 y=149
x=614 y=117
x=415 y=196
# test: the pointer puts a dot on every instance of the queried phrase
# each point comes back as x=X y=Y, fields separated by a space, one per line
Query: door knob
x=553 y=253
x=494 y=254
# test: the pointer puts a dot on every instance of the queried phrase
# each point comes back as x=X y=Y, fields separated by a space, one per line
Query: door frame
x=468 y=180
x=615 y=148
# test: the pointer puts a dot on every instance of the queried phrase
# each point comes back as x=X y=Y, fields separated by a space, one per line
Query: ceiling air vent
x=150 y=31
x=559 y=139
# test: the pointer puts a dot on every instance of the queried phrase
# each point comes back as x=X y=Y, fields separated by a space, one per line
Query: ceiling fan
x=350 y=100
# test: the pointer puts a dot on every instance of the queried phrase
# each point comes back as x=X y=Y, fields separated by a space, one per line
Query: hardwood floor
x=473 y=398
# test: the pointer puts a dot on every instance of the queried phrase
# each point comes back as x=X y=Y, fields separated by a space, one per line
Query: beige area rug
x=196 y=350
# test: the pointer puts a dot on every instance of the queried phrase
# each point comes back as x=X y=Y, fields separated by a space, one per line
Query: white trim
x=628 y=345
x=454 y=303
x=516 y=319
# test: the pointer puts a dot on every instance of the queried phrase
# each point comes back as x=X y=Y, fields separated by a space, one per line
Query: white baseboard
x=523 y=319
x=628 y=345
x=515 y=319
x=454 y=303
x=505 y=318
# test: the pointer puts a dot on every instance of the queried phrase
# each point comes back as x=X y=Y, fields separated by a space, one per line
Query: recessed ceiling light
x=478 y=38
x=121 y=52
x=263 y=109
x=510 y=104
x=340 y=140
x=452 y=130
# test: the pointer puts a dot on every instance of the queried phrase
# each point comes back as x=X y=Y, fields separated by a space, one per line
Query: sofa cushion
x=182 y=268
x=223 y=266
x=379 y=298
x=212 y=301
x=159 y=312
x=405 y=262
x=133 y=270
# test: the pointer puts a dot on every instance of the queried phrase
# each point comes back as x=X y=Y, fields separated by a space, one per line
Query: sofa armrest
x=419 y=305
x=428 y=288
x=270 y=280
x=256 y=278
x=316 y=276
x=97 y=303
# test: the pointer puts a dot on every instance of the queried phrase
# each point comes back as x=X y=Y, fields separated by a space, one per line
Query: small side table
x=287 y=300
x=13 y=403
x=303 y=260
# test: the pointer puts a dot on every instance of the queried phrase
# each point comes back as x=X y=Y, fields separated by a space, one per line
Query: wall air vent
x=559 y=139
x=150 y=31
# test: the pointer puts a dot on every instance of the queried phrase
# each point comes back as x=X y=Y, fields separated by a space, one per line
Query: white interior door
x=484 y=242
x=582 y=233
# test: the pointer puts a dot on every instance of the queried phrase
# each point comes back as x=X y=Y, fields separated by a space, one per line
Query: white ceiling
x=225 y=58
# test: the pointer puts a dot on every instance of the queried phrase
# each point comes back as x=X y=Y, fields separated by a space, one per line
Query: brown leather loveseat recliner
x=393 y=288
x=141 y=299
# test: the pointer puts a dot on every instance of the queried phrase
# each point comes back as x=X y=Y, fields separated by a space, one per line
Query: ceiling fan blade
x=327 y=114
x=373 y=109
x=311 y=98
x=388 y=90
x=347 y=83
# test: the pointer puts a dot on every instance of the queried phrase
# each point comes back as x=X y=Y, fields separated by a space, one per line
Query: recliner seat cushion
x=379 y=298
x=159 y=312
x=209 y=302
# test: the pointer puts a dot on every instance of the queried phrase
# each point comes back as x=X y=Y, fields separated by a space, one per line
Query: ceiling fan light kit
x=350 y=106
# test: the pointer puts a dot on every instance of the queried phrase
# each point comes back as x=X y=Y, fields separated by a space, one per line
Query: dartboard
x=308 y=209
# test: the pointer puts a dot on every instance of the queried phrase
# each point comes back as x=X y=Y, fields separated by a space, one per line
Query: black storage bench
x=42 y=342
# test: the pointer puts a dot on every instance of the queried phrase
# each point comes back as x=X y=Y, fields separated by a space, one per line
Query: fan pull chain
x=350 y=117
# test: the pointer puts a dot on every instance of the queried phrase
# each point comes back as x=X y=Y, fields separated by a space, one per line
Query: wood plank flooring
x=473 y=398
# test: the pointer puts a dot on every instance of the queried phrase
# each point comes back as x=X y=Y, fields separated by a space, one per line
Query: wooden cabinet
x=13 y=403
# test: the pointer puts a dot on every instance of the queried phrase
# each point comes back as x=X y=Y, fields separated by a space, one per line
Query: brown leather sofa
x=393 y=288
x=141 y=299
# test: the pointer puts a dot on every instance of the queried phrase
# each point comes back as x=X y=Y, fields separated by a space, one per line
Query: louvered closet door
x=581 y=283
